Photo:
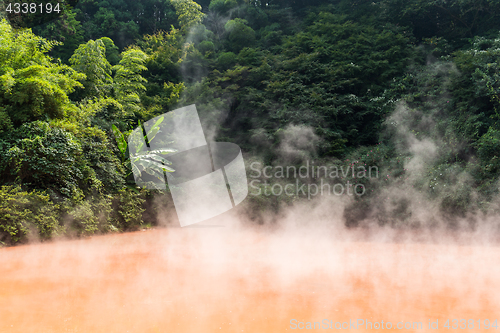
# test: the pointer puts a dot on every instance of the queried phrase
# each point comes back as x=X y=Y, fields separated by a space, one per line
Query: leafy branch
x=150 y=161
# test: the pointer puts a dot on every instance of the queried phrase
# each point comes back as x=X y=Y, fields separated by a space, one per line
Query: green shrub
x=83 y=219
x=222 y=6
x=91 y=215
x=43 y=157
x=226 y=60
x=129 y=209
x=489 y=151
x=239 y=33
x=27 y=215
x=104 y=170
x=206 y=46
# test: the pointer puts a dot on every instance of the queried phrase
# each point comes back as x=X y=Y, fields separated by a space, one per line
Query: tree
x=331 y=76
x=90 y=59
x=452 y=20
x=164 y=51
x=124 y=21
x=128 y=79
x=112 y=51
x=25 y=215
x=67 y=30
x=43 y=157
x=32 y=85
x=222 y=6
x=163 y=86
x=240 y=35
x=188 y=12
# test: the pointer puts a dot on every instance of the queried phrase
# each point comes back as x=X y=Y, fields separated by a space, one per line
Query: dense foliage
x=362 y=81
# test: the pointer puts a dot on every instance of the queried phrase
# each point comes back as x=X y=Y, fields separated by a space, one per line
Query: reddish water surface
x=239 y=280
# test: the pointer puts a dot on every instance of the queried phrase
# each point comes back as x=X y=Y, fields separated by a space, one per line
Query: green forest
x=409 y=86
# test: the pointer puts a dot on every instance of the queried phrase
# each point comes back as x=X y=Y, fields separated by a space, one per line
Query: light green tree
x=32 y=85
x=128 y=81
x=90 y=59
x=188 y=12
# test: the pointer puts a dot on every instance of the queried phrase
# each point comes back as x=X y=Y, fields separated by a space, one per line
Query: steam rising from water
x=229 y=275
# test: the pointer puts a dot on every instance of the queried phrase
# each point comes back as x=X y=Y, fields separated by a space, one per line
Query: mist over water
x=230 y=275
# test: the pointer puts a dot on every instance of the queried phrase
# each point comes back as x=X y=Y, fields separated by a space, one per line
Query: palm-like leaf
x=120 y=140
x=153 y=163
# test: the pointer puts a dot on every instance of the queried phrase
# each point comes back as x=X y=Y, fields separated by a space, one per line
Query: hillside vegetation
x=409 y=86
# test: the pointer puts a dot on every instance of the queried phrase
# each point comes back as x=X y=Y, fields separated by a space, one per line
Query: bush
x=43 y=157
x=489 y=151
x=91 y=215
x=129 y=209
x=206 y=46
x=26 y=215
x=226 y=60
x=239 y=33
x=222 y=6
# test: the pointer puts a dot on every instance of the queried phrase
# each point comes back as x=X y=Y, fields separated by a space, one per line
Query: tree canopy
x=348 y=75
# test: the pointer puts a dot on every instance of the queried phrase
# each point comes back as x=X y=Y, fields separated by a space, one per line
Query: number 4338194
x=32 y=8
x=470 y=324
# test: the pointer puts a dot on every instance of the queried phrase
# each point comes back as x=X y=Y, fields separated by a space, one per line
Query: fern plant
x=149 y=161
